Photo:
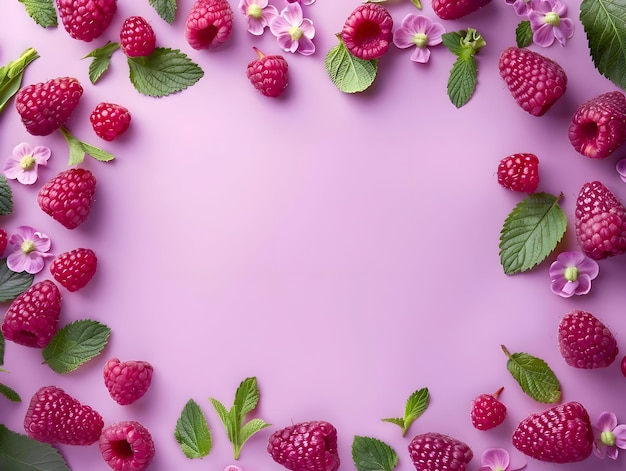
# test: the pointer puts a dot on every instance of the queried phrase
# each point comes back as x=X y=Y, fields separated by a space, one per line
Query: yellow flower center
x=27 y=247
x=553 y=18
x=420 y=40
x=255 y=11
x=27 y=162
x=571 y=273
x=608 y=438
x=295 y=33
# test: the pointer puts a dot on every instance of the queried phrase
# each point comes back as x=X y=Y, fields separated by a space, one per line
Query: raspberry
x=598 y=126
x=75 y=268
x=306 y=446
x=433 y=451
x=487 y=411
x=46 y=106
x=68 y=196
x=137 y=37
x=109 y=120
x=367 y=31
x=54 y=416
x=454 y=9
x=268 y=74
x=585 y=342
x=127 y=381
x=600 y=222
x=33 y=316
x=209 y=23
x=535 y=81
x=561 y=434
x=127 y=446
x=86 y=19
x=519 y=172
x=4 y=239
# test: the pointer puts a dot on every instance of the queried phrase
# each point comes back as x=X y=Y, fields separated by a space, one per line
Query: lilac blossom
x=497 y=459
x=572 y=273
x=418 y=31
x=259 y=14
x=609 y=436
x=29 y=248
x=23 y=163
x=293 y=31
x=548 y=22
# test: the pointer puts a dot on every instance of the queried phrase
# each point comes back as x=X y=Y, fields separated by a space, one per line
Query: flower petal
x=421 y=55
x=495 y=458
x=308 y=30
x=599 y=450
x=544 y=35
x=607 y=421
x=256 y=25
x=620 y=436
x=306 y=46
x=557 y=286
x=22 y=150
x=403 y=38
x=435 y=33
x=621 y=169
x=27 y=177
x=33 y=263
x=292 y=14
x=41 y=154
x=12 y=168
x=42 y=242
x=15 y=261
x=24 y=233
x=584 y=284
x=278 y=25
x=589 y=267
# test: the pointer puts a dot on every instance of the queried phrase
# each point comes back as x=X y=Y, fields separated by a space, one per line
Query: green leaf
x=163 y=72
x=462 y=80
x=523 y=34
x=414 y=408
x=192 y=432
x=349 y=73
x=21 y=453
x=79 y=149
x=250 y=428
x=370 y=454
x=101 y=60
x=11 y=76
x=6 y=197
x=534 y=376
x=42 y=11
x=12 y=284
x=247 y=396
x=531 y=232
x=604 y=22
x=9 y=393
x=75 y=344
x=452 y=40
x=166 y=9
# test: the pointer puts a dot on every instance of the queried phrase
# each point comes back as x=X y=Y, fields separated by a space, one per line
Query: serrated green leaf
x=452 y=41
x=42 y=11
x=6 y=197
x=12 y=284
x=349 y=73
x=166 y=9
x=604 y=22
x=534 y=376
x=415 y=406
x=101 y=60
x=247 y=396
x=21 y=453
x=192 y=432
x=79 y=149
x=11 y=76
x=250 y=428
x=10 y=394
x=371 y=454
x=523 y=34
x=531 y=232
x=395 y=420
x=163 y=72
x=75 y=344
x=462 y=80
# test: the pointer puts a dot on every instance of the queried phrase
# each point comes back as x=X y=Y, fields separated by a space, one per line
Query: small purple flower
x=29 y=248
x=24 y=161
x=497 y=459
x=609 y=437
x=259 y=14
x=521 y=7
x=293 y=31
x=421 y=32
x=621 y=169
x=547 y=22
x=572 y=273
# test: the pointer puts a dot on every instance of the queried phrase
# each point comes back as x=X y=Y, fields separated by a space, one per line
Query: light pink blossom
x=418 y=31
x=572 y=273
x=293 y=31
x=29 y=249
x=497 y=459
x=609 y=436
x=548 y=21
x=24 y=161
x=259 y=14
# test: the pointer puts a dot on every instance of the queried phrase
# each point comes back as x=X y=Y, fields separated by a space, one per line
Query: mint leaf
x=370 y=454
x=21 y=453
x=604 y=22
x=101 y=60
x=11 y=76
x=79 y=149
x=42 y=11
x=10 y=394
x=6 y=197
x=463 y=78
x=415 y=407
x=534 y=376
x=523 y=34
x=192 y=432
x=531 y=232
x=246 y=400
x=163 y=72
x=75 y=344
x=349 y=73
x=12 y=283
x=166 y=9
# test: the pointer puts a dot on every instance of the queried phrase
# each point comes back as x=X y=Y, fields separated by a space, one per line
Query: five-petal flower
x=421 y=32
x=547 y=22
x=259 y=14
x=572 y=273
x=29 y=248
x=497 y=459
x=293 y=31
x=24 y=161
x=609 y=436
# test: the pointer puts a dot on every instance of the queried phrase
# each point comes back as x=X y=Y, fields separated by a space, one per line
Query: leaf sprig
x=415 y=406
x=464 y=44
x=11 y=75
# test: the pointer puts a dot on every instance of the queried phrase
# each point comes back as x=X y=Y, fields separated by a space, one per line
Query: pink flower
x=302 y=2
x=232 y=467
x=497 y=459
x=421 y=32
x=521 y=7
x=547 y=22
x=294 y=33
x=609 y=437
x=24 y=161
x=259 y=14
x=572 y=273
x=29 y=248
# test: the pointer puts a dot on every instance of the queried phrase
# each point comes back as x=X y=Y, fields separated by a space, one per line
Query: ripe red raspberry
x=109 y=120
x=433 y=451
x=209 y=23
x=54 y=416
x=32 y=318
x=454 y=9
x=126 y=446
x=306 y=446
x=74 y=269
x=86 y=19
x=4 y=240
x=598 y=126
x=535 y=81
x=519 y=172
x=46 y=106
x=585 y=342
x=67 y=197
x=367 y=33
x=600 y=222
x=487 y=411
x=268 y=74
x=137 y=37
x=127 y=381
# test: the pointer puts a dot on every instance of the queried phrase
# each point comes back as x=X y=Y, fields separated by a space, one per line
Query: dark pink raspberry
x=127 y=446
x=137 y=37
x=585 y=342
x=487 y=411
x=109 y=120
x=86 y=19
x=4 y=239
x=209 y=23
x=127 y=381
x=268 y=74
x=74 y=269
x=367 y=31
x=434 y=451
